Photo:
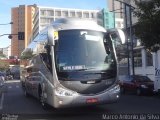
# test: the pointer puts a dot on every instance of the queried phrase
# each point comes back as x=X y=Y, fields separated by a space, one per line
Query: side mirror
x=121 y=35
x=106 y=43
x=51 y=35
x=117 y=35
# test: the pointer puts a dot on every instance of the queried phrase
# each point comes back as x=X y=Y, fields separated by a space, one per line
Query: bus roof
x=76 y=23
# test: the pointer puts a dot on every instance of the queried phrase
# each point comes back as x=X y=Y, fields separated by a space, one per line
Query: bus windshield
x=83 y=50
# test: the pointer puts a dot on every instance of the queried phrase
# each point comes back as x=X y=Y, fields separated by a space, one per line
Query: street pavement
x=13 y=104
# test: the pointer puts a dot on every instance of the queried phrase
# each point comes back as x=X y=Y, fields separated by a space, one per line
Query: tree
x=2 y=55
x=148 y=25
x=27 y=55
x=3 y=65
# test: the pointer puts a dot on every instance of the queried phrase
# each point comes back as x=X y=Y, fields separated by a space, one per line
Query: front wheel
x=42 y=101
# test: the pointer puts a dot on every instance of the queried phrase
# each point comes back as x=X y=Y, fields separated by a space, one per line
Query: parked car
x=31 y=85
x=2 y=76
x=13 y=72
x=137 y=84
x=2 y=82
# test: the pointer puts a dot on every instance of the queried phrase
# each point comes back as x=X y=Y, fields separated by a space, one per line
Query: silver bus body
x=58 y=82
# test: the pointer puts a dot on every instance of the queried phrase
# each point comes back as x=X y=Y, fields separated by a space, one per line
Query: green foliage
x=148 y=25
x=3 y=65
x=2 y=55
x=27 y=55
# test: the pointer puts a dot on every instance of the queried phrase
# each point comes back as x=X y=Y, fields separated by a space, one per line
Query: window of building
x=137 y=58
x=149 y=59
x=86 y=15
x=100 y=16
x=45 y=20
x=106 y=21
x=43 y=12
x=92 y=15
x=79 y=14
x=106 y=14
x=72 y=14
x=65 y=13
x=51 y=20
x=50 y=13
x=42 y=20
x=58 y=13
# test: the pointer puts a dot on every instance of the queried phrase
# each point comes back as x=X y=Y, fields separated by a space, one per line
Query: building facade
x=32 y=19
x=7 y=51
x=22 y=18
x=45 y=15
x=107 y=19
x=116 y=7
x=144 y=62
x=117 y=10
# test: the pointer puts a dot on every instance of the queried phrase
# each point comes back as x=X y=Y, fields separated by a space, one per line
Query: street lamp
x=7 y=23
x=20 y=34
x=9 y=35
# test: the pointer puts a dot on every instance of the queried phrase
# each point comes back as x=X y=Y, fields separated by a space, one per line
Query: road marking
x=13 y=81
x=1 y=101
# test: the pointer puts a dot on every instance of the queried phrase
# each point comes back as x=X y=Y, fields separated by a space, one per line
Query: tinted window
x=82 y=49
x=142 y=78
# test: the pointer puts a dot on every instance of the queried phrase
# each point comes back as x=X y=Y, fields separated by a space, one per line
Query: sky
x=6 y=5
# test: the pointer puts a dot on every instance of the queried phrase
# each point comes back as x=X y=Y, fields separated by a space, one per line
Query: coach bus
x=72 y=62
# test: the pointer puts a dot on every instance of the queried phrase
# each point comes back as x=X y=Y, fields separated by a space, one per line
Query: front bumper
x=109 y=96
x=147 y=91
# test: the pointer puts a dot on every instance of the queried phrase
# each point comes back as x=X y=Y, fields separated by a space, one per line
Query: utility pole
x=130 y=30
x=131 y=38
x=125 y=8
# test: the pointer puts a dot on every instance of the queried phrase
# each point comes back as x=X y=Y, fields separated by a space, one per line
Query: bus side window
x=46 y=58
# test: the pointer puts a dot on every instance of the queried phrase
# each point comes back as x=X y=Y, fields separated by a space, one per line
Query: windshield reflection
x=82 y=50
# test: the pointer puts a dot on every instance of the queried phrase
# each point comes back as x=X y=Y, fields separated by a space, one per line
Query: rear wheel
x=26 y=93
x=138 y=91
x=122 y=90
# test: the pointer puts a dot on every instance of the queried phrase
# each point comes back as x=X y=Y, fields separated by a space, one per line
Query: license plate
x=92 y=100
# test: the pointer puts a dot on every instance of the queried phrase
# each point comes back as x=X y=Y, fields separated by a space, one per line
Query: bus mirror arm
x=107 y=49
x=51 y=36
x=108 y=52
x=117 y=33
x=106 y=43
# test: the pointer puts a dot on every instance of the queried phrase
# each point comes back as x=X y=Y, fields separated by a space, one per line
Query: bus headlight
x=115 y=89
x=63 y=92
x=144 y=86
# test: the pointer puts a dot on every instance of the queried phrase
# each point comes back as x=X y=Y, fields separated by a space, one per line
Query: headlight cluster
x=115 y=89
x=1 y=84
x=144 y=86
x=63 y=92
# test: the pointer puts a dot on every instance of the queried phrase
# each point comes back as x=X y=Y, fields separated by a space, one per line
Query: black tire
x=122 y=90
x=138 y=91
x=42 y=101
x=26 y=93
